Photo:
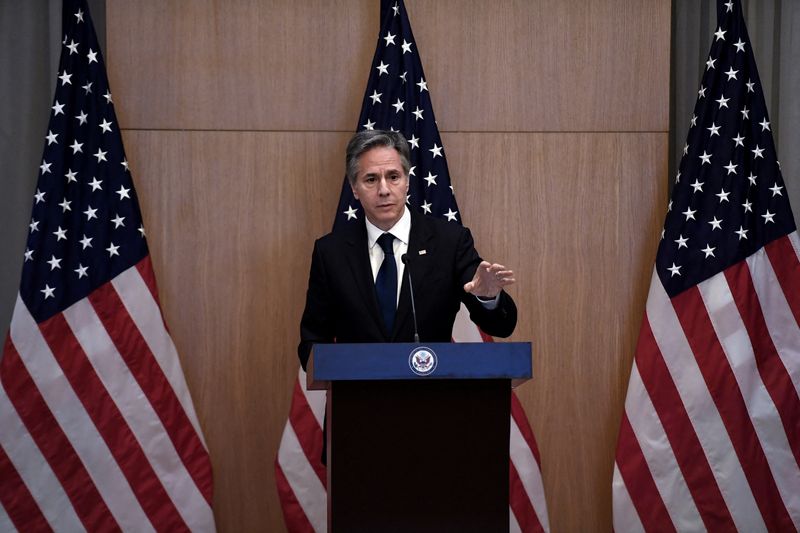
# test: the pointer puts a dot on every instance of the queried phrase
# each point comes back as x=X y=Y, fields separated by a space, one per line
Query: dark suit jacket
x=342 y=305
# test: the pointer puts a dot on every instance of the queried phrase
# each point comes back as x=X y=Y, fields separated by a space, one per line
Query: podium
x=418 y=435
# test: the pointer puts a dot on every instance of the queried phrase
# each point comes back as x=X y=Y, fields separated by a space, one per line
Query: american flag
x=398 y=98
x=97 y=428
x=710 y=436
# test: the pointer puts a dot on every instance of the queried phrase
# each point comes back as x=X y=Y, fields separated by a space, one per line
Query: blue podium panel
x=411 y=361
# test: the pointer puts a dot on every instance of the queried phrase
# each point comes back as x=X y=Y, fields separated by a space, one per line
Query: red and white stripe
x=300 y=475
x=710 y=437
x=98 y=428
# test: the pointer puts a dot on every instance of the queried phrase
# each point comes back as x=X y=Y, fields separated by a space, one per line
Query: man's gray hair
x=368 y=139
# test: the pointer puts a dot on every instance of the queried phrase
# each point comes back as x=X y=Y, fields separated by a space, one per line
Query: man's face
x=381 y=186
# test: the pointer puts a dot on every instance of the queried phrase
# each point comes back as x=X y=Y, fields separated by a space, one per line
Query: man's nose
x=383 y=187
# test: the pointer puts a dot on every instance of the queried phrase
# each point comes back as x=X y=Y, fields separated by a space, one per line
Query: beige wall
x=554 y=116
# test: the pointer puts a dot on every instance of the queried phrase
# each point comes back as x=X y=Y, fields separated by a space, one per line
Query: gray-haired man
x=357 y=289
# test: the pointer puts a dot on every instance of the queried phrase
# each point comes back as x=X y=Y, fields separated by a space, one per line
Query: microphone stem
x=406 y=262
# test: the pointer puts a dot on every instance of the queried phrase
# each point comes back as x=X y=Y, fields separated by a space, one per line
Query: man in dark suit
x=355 y=274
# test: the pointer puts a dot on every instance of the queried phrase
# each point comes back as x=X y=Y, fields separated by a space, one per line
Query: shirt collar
x=401 y=229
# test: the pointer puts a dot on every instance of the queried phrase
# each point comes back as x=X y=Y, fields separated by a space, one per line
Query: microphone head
x=404 y=259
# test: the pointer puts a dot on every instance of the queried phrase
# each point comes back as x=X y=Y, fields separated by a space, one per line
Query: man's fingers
x=490 y=277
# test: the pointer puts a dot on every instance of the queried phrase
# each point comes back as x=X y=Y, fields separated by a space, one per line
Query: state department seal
x=422 y=361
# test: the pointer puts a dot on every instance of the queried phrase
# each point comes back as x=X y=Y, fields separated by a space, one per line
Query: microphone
x=404 y=259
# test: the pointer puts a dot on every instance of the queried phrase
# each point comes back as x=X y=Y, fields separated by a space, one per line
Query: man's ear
x=355 y=194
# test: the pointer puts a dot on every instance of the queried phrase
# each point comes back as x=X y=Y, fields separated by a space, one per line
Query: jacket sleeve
x=316 y=324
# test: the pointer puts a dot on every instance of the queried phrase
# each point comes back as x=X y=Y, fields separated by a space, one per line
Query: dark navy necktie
x=386 y=282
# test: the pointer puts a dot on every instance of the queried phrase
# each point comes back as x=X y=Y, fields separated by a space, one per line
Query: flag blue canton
x=729 y=198
x=397 y=99
x=85 y=226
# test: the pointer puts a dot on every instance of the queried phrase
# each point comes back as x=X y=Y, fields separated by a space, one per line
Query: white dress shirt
x=400 y=231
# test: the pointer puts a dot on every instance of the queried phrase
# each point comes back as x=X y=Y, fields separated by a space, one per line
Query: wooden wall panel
x=240 y=64
x=231 y=253
x=510 y=65
x=231 y=221
x=577 y=216
x=548 y=65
